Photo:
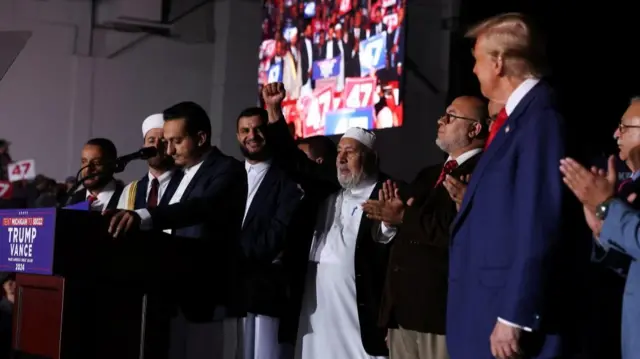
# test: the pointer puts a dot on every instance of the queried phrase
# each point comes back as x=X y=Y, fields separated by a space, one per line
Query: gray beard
x=450 y=147
x=351 y=181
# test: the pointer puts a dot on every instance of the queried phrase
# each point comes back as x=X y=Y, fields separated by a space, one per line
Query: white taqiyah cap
x=361 y=135
x=151 y=122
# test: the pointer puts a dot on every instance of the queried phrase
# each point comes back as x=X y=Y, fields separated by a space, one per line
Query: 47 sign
x=359 y=92
x=6 y=190
x=22 y=170
x=373 y=54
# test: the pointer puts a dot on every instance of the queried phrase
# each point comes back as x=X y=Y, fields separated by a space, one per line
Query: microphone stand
x=118 y=168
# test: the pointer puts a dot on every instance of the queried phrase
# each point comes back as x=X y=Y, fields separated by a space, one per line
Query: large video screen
x=340 y=62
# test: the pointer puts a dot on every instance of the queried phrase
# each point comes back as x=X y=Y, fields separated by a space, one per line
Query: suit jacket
x=81 y=196
x=211 y=210
x=143 y=183
x=370 y=259
x=504 y=255
x=263 y=239
x=619 y=231
x=415 y=295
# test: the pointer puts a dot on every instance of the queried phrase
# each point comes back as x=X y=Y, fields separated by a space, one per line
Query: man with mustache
x=344 y=261
x=161 y=181
x=272 y=198
x=99 y=188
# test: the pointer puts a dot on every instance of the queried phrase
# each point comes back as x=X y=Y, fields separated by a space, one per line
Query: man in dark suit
x=101 y=190
x=506 y=283
x=272 y=198
x=160 y=183
x=345 y=261
x=207 y=205
x=415 y=297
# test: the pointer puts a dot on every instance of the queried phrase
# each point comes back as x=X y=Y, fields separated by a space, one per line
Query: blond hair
x=513 y=38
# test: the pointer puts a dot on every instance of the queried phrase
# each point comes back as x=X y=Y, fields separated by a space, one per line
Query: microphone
x=142 y=154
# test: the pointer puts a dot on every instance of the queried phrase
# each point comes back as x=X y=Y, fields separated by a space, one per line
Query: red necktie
x=91 y=199
x=448 y=168
x=497 y=124
x=152 y=202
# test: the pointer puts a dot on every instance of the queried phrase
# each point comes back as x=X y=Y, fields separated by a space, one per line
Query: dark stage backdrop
x=593 y=68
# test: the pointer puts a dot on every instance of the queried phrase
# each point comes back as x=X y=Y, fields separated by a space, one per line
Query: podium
x=82 y=294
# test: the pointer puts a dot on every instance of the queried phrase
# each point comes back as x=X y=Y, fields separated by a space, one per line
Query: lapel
x=115 y=198
x=141 y=193
x=79 y=196
x=265 y=189
x=208 y=161
x=174 y=182
x=366 y=224
x=507 y=130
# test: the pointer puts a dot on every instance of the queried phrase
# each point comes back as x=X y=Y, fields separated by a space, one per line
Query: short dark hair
x=106 y=146
x=253 y=111
x=321 y=146
x=195 y=118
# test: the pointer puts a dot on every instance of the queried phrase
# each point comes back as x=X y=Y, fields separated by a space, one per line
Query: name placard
x=27 y=240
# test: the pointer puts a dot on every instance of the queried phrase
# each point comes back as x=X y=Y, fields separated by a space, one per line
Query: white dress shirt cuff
x=386 y=233
x=145 y=219
x=514 y=325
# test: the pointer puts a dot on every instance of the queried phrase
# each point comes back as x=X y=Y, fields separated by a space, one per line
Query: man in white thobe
x=348 y=254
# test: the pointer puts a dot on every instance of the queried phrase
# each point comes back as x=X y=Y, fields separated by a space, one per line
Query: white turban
x=151 y=122
x=363 y=136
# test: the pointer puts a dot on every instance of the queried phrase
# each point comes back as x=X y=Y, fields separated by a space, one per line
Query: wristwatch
x=602 y=209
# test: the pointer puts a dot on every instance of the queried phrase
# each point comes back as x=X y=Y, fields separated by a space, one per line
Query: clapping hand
x=388 y=208
x=590 y=187
x=456 y=188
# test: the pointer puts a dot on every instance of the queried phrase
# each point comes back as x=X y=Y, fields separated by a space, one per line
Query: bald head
x=463 y=126
x=472 y=106
x=628 y=135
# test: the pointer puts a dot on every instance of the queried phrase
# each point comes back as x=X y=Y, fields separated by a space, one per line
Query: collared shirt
x=189 y=173
x=519 y=93
x=255 y=175
x=465 y=156
x=103 y=197
x=163 y=183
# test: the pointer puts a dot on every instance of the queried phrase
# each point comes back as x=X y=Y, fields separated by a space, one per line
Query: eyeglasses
x=447 y=118
x=623 y=128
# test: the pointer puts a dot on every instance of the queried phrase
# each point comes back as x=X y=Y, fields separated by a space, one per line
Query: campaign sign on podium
x=27 y=240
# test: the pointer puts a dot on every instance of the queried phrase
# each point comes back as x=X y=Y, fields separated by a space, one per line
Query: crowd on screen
x=317 y=254
x=299 y=35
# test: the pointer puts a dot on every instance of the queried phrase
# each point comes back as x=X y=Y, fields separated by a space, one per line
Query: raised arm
x=292 y=160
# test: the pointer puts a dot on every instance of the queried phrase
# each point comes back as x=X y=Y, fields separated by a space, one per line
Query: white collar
x=165 y=177
x=107 y=190
x=519 y=93
x=465 y=156
x=259 y=167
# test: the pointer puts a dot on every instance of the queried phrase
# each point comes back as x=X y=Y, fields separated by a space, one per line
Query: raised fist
x=273 y=93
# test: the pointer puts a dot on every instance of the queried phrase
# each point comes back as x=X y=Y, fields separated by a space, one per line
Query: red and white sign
x=22 y=170
x=6 y=190
x=358 y=92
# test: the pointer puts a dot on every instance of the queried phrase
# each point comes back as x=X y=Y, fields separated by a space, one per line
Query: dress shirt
x=163 y=183
x=255 y=175
x=103 y=198
x=514 y=99
x=189 y=173
x=465 y=156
